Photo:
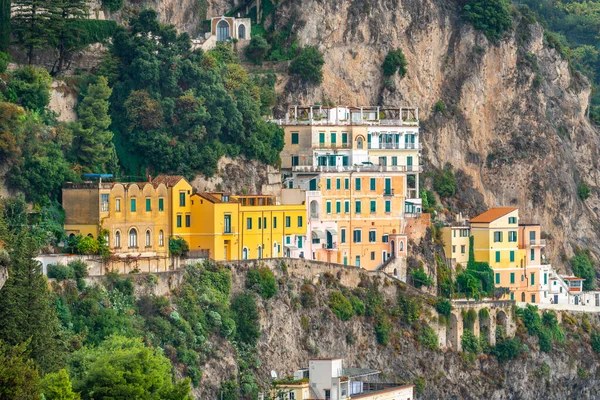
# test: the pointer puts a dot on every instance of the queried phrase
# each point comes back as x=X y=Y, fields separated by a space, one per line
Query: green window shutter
x=532 y=279
x=512 y=296
x=338 y=207
x=357 y=183
x=343 y=235
x=512 y=256
x=344 y=138
x=338 y=184
x=148 y=205
x=161 y=204
x=497 y=256
x=259 y=223
x=358 y=207
x=373 y=184
x=179 y=221
x=328 y=184
x=388 y=206
x=512 y=277
x=294 y=138
x=333 y=138
x=328 y=207
x=322 y=137
x=249 y=223
x=373 y=206
x=299 y=242
x=288 y=222
x=545 y=278
x=299 y=222
x=347 y=207
x=497 y=278
x=274 y=222
x=346 y=184
x=133 y=205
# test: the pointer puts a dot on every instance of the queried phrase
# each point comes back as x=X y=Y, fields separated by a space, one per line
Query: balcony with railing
x=537 y=242
x=388 y=192
x=395 y=146
x=357 y=168
x=336 y=116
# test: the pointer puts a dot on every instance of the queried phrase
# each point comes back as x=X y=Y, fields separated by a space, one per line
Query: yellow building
x=456 y=243
x=496 y=240
x=228 y=227
x=179 y=199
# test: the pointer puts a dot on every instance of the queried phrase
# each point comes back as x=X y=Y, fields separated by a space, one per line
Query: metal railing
x=357 y=168
x=537 y=242
x=375 y=122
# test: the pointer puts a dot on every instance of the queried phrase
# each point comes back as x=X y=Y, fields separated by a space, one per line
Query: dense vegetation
x=490 y=16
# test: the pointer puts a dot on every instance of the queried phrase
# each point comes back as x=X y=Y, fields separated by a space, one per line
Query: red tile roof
x=493 y=214
x=168 y=180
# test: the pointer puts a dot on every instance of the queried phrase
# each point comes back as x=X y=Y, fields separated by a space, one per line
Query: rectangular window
x=181 y=199
x=179 y=223
x=274 y=222
x=338 y=207
x=328 y=207
x=104 y=202
x=299 y=242
x=288 y=222
x=118 y=205
x=372 y=255
x=512 y=296
x=388 y=206
x=259 y=223
x=133 y=205
x=347 y=207
x=373 y=206
x=545 y=278
x=453 y=249
x=344 y=138
x=497 y=237
x=188 y=220
x=346 y=184
x=532 y=279
x=300 y=222
x=328 y=184
x=322 y=138
x=161 y=204
x=295 y=138
x=497 y=278
x=385 y=239
x=264 y=222
x=463 y=249
x=338 y=183
x=532 y=255
x=357 y=184
x=394 y=161
x=533 y=298
x=294 y=161
x=512 y=256
x=248 y=223
x=148 y=204
x=497 y=256
x=357 y=206
x=512 y=236
x=333 y=138
x=227 y=223
x=343 y=235
x=372 y=236
x=512 y=277
x=357 y=236
x=512 y=220
x=373 y=185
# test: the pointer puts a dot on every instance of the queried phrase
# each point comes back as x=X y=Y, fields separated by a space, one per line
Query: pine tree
x=35 y=24
x=92 y=144
x=69 y=34
x=4 y=25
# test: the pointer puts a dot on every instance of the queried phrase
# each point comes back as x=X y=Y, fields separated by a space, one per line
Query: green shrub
x=60 y=272
x=545 y=340
x=443 y=306
x=508 y=349
x=257 y=49
x=410 y=309
x=583 y=191
x=421 y=278
x=444 y=182
x=308 y=65
x=428 y=338
x=470 y=342
x=340 y=306
x=492 y=17
x=262 y=281
x=584 y=267
x=440 y=107
x=30 y=86
x=383 y=328
x=394 y=62
x=246 y=317
x=4 y=61
x=113 y=5
x=307 y=296
x=357 y=305
x=531 y=319
x=80 y=269
x=178 y=246
x=420 y=384
x=596 y=342
x=469 y=319
x=88 y=245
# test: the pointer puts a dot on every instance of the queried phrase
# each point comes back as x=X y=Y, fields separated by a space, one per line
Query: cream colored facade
x=456 y=243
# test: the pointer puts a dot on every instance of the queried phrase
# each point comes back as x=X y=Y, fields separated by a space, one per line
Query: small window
x=118 y=205
x=227 y=223
x=259 y=223
x=373 y=184
x=248 y=223
x=328 y=207
x=372 y=255
x=179 y=219
x=338 y=207
x=338 y=183
x=300 y=242
x=264 y=222
x=512 y=256
x=133 y=205
x=497 y=237
x=161 y=238
x=148 y=236
x=357 y=207
x=288 y=222
x=328 y=184
x=132 y=238
x=385 y=239
x=372 y=236
x=463 y=249
x=532 y=255
x=274 y=222
x=295 y=138
x=512 y=277
x=512 y=220
x=294 y=161
x=497 y=278
x=497 y=256
x=388 y=206
x=453 y=249
x=512 y=236
x=300 y=222
x=357 y=236
x=343 y=235
x=347 y=207
x=532 y=283
x=148 y=204
x=104 y=202
x=161 y=204
x=346 y=184
x=118 y=240
x=373 y=206
x=357 y=183
x=181 y=199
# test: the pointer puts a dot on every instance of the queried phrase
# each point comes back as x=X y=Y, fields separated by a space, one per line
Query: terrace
x=353 y=116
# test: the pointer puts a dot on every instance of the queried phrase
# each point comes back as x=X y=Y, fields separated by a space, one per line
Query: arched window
x=161 y=238
x=359 y=142
x=242 y=32
x=314 y=209
x=245 y=253
x=259 y=252
x=117 y=239
x=132 y=237
x=148 y=238
x=223 y=31
x=401 y=246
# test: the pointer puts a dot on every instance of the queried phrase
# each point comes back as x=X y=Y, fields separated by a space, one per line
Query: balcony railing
x=228 y=230
x=375 y=122
x=388 y=192
x=357 y=168
x=537 y=242
x=332 y=146
x=396 y=146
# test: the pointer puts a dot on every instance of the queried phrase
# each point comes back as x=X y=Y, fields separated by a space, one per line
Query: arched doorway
x=452 y=332
x=132 y=237
x=359 y=142
x=393 y=246
x=260 y=252
x=245 y=253
x=401 y=245
x=223 y=31
x=501 y=325
x=523 y=297
x=314 y=209
x=242 y=32
x=484 y=324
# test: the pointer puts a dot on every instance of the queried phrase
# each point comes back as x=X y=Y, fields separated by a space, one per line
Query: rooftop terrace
x=354 y=116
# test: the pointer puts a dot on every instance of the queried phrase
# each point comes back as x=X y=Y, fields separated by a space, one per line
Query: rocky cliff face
x=515 y=119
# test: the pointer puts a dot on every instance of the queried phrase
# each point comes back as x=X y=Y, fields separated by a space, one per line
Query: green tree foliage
x=57 y=386
x=178 y=111
x=246 y=317
x=596 y=342
x=507 y=349
x=492 y=17
x=308 y=65
x=30 y=87
x=68 y=32
x=4 y=26
x=443 y=306
x=92 y=141
x=583 y=266
x=262 y=281
x=340 y=306
x=444 y=182
x=257 y=49
x=178 y=246
x=18 y=374
x=124 y=368
x=34 y=24
x=421 y=278
x=583 y=191
x=428 y=338
x=113 y=5
x=26 y=307
x=477 y=280
x=4 y=61
x=470 y=343
x=394 y=62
